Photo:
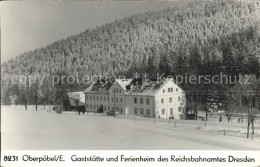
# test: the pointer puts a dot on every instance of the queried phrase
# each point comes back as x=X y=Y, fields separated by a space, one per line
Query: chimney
x=143 y=80
x=129 y=87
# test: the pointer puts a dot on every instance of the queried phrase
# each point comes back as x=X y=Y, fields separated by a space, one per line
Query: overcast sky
x=29 y=25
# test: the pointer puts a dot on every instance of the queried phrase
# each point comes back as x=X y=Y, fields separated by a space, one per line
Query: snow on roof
x=74 y=96
x=123 y=82
x=88 y=88
x=131 y=86
x=147 y=88
x=99 y=86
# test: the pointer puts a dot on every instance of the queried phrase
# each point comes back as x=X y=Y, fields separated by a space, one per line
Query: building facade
x=97 y=97
x=152 y=99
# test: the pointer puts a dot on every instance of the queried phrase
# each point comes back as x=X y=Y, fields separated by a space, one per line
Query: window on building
x=135 y=100
x=94 y=106
x=179 y=109
x=100 y=98
x=147 y=101
x=120 y=91
x=163 y=111
x=87 y=97
x=90 y=97
x=136 y=111
x=179 y=98
x=116 y=99
x=170 y=89
x=87 y=105
x=107 y=98
x=97 y=106
x=121 y=110
x=90 y=106
x=141 y=100
x=162 y=100
x=171 y=111
x=104 y=98
x=163 y=90
x=93 y=97
x=170 y=100
x=148 y=112
x=97 y=98
x=142 y=111
x=176 y=89
x=121 y=100
x=112 y=99
x=105 y=107
x=108 y=107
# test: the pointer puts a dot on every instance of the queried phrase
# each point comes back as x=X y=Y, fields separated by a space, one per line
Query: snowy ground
x=34 y=130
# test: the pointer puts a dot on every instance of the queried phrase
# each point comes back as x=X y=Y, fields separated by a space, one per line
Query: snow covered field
x=34 y=130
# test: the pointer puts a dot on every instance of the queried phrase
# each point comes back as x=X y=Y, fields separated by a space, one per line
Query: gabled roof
x=123 y=82
x=89 y=88
x=131 y=86
x=149 y=88
x=99 y=86
x=74 y=96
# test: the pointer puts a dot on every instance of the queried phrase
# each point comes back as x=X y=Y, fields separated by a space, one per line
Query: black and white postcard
x=130 y=83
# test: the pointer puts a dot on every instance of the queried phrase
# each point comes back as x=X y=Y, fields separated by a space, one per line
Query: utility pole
x=114 y=91
x=250 y=114
x=36 y=95
x=196 y=106
x=240 y=101
x=189 y=90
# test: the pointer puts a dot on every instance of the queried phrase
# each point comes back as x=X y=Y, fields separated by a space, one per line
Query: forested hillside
x=202 y=38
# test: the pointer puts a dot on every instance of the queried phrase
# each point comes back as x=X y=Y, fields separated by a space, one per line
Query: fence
x=213 y=126
x=33 y=107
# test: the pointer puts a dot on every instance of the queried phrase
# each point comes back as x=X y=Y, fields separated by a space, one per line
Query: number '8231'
x=10 y=158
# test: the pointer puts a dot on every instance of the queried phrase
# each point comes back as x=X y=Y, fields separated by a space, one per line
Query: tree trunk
x=206 y=115
x=196 y=107
x=49 y=103
x=25 y=103
x=77 y=106
x=248 y=124
x=253 y=128
x=36 y=100
x=241 y=107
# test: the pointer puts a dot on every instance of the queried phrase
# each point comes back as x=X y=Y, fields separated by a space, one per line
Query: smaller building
x=77 y=100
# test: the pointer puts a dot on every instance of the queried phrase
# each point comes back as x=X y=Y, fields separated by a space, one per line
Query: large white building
x=153 y=99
